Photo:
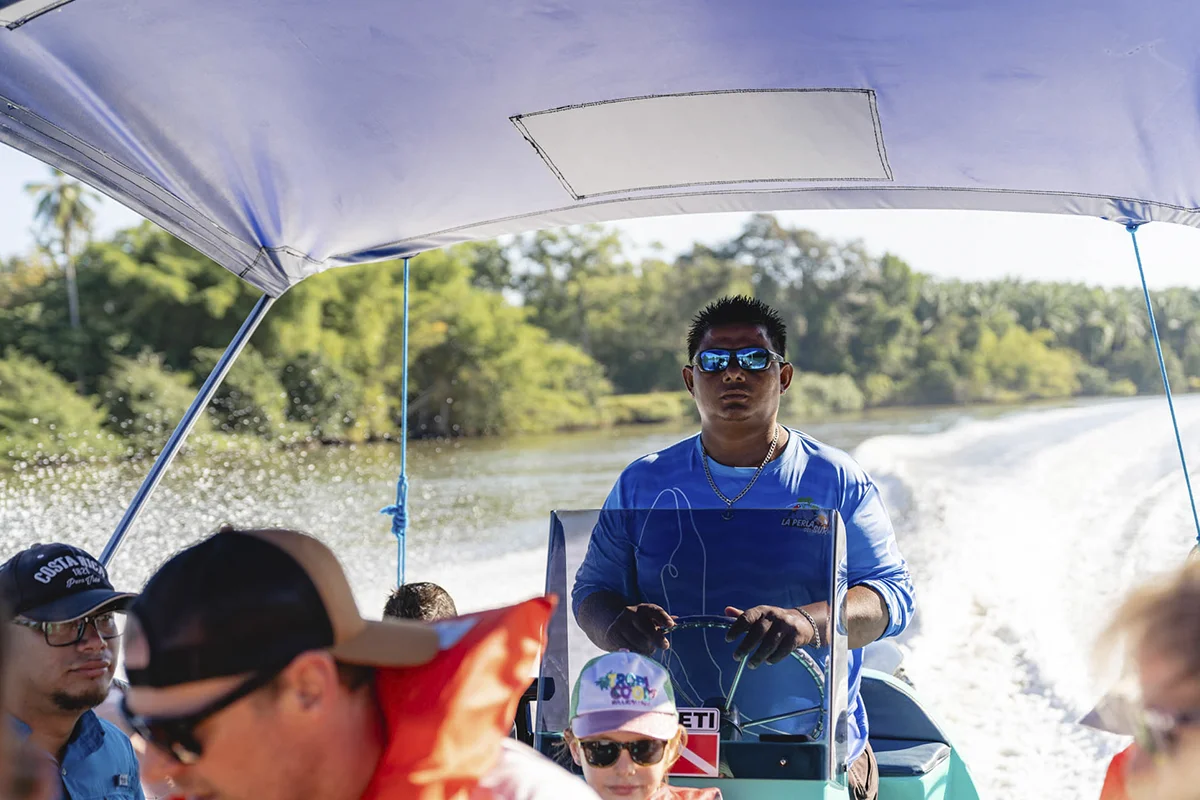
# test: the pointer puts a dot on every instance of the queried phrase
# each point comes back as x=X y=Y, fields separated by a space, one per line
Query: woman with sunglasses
x=625 y=730
x=1158 y=631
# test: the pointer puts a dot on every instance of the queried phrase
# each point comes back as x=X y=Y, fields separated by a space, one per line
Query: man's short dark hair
x=737 y=310
x=424 y=601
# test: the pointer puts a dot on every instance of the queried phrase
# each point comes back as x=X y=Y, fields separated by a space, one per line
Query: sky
x=951 y=244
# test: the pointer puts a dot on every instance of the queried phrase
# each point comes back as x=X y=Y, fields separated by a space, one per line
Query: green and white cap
x=623 y=691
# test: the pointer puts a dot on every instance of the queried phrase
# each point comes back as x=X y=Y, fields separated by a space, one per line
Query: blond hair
x=1162 y=616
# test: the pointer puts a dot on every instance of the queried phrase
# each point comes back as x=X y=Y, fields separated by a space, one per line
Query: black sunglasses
x=1157 y=732
x=64 y=634
x=604 y=753
x=751 y=359
x=176 y=736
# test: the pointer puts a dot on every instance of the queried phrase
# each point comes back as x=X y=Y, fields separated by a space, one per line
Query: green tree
x=43 y=419
x=556 y=277
x=146 y=400
x=142 y=290
x=251 y=399
x=1020 y=365
x=63 y=223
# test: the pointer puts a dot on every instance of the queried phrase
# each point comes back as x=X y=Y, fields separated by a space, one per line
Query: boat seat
x=902 y=758
x=894 y=712
x=906 y=740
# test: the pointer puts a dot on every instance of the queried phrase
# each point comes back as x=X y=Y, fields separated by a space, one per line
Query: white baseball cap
x=624 y=691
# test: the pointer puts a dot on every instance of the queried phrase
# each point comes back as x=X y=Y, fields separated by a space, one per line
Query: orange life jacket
x=1114 y=778
x=445 y=720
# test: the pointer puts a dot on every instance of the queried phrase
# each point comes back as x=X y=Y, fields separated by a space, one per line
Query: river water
x=1021 y=526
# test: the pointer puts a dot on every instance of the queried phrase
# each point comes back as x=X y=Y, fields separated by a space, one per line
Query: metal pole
x=185 y=427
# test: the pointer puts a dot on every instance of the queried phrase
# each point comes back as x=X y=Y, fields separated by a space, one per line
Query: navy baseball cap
x=57 y=583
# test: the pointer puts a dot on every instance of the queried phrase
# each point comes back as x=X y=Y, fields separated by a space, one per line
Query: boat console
x=784 y=728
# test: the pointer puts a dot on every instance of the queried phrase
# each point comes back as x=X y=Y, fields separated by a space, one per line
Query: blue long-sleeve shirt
x=688 y=579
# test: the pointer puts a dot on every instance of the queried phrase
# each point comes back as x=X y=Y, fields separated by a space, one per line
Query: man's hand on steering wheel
x=774 y=631
x=640 y=628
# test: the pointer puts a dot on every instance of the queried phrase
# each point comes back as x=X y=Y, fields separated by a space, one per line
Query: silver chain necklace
x=728 y=515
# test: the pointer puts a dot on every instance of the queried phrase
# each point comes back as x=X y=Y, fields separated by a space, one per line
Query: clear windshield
x=696 y=564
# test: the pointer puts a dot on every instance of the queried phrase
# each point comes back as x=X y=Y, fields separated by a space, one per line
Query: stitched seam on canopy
x=734 y=182
x=572 y=106
x=181 y=226
x=106 y=171
x=545 y=157
x=100 y=165
x=291 y=252
x=517 y=120
x=262 y=259
x=733 y=192
x=253 y=265
x=12 y=26
x=879 y=146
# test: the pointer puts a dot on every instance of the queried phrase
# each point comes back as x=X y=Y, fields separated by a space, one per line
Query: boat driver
x=743 y=458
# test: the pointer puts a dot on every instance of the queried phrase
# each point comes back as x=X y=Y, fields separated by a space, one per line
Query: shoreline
x=217 y=442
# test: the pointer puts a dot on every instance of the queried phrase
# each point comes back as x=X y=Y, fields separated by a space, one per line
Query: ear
x=309 y=684
x=573 y=745
x=786 y=373
x=675 y=747
x=689 y=380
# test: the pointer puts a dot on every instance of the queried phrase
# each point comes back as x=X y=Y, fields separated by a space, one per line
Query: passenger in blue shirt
x=64 y=642
x=743 y=457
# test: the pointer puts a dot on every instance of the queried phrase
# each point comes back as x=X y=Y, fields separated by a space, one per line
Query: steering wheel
x=814 y=671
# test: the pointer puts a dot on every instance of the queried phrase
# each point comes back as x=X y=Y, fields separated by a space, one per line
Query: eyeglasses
x=1157 y=732
x=751 y=359
x=64 y=634
x=176 y=736
x=604 y=753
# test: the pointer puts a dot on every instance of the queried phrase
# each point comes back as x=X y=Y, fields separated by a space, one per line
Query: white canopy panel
x=283 y=137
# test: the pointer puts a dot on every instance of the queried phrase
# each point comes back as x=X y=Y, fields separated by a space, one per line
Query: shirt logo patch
x=809 y=519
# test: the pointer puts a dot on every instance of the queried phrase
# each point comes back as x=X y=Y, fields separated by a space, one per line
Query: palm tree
x=63 y=220
x=64 y=225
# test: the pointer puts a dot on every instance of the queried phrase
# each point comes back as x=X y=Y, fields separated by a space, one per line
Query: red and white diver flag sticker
x=702 y=753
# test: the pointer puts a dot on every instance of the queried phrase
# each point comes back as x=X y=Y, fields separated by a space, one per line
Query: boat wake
x=1022 y=533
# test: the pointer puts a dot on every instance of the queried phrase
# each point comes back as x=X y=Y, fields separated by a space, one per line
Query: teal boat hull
x=916 y=758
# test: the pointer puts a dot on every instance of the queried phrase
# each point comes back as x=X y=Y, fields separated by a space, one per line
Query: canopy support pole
x=185 y=427
x=1162 y=365
x=399 y=510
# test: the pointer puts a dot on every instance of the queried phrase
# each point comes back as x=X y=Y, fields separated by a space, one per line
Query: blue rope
x=399 y=510
x=1162 y=365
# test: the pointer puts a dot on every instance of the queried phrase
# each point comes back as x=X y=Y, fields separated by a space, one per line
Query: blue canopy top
x=284 y=137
